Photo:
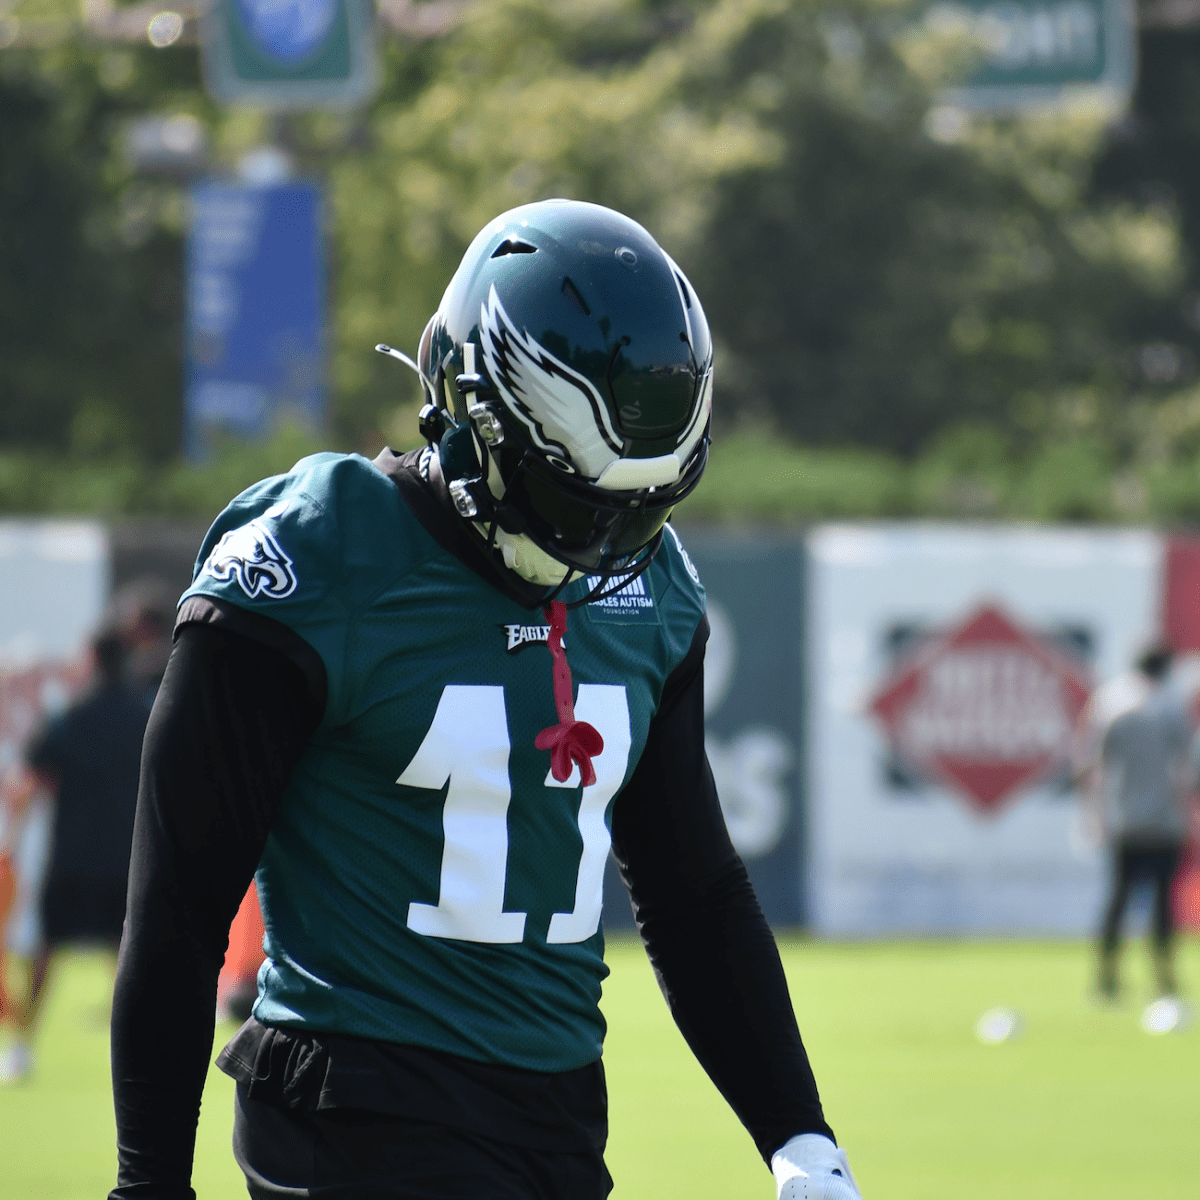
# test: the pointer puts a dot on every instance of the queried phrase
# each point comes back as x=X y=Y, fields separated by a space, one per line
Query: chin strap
x=570 y=741
x=610 y=585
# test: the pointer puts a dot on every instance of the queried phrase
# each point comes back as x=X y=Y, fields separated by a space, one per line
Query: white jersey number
x=468 y=745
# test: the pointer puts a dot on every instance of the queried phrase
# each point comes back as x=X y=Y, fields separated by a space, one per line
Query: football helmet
x=568 y=372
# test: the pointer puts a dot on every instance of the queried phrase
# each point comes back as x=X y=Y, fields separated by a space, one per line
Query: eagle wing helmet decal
x=565 y=415
x=251 y=555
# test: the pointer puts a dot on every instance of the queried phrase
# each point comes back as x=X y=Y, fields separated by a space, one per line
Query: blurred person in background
x=142 y=612
x=24 y=846
x=24 y=838
x=1139 y=776
x=87 y=758
x=237 y=985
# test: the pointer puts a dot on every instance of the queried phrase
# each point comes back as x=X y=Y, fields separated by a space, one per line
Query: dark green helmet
x=569 y=367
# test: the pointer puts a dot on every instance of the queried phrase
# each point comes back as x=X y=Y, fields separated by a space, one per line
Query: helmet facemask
x=549 y=526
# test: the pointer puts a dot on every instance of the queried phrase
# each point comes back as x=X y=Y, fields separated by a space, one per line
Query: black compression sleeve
x=710 y=945
x=228 y=726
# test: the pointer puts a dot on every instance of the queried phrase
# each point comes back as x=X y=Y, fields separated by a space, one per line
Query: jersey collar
x=425 y=493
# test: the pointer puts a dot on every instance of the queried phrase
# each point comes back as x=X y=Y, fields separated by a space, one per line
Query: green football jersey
x=428 y=880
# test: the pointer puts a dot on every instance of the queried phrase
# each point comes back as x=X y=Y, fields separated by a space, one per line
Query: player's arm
x=229 y=724
x=711 y=948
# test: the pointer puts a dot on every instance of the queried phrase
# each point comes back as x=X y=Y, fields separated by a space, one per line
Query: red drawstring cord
x=570 y=740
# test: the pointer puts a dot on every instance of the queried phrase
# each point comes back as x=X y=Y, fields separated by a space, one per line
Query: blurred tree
x=1151 y=156
x=90 y=295
x=876 y=269
x=900 y=268
x=524 y=99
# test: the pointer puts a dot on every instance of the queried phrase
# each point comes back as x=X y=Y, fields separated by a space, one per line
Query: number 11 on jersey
x=468 y=744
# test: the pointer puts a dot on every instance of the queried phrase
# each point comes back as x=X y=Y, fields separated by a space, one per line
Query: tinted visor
x=576 y=530
x=588 y=527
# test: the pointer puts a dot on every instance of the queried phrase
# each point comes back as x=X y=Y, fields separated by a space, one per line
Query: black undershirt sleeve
x=711 y=948
x=227 y=729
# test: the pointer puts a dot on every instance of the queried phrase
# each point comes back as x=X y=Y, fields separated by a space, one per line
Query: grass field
x=1081 y=1105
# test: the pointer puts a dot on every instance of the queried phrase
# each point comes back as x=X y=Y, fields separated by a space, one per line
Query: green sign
x=1037 y=51
x=290 y=54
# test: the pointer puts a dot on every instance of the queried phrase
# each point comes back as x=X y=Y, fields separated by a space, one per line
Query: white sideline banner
x=947 y=668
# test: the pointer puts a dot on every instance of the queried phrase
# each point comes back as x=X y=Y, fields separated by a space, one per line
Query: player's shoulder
x=318 y=487
x=682 y=588
x=338 y=484
x=332 y=521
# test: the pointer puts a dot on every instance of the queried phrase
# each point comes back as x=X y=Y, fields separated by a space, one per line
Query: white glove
x=811 y=1167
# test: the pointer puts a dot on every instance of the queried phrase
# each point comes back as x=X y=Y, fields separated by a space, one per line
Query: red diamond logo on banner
x=986 y=707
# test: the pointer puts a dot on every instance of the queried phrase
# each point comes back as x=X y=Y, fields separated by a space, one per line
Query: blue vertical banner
x=255 y=320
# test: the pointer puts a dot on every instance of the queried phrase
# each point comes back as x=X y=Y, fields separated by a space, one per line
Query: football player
x=375 y=702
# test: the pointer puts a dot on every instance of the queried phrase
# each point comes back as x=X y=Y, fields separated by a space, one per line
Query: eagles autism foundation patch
x=633 y=604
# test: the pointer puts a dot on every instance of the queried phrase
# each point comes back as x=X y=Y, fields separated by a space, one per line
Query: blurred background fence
x=892 y=708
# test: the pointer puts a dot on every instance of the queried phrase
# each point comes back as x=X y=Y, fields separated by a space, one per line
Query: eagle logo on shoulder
x=251 y=555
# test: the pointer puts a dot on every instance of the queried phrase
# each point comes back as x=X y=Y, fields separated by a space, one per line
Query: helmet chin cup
x=530 y=561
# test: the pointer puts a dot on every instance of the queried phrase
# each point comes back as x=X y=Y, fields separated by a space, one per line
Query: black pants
x=350 y=1154
x=1134 y=861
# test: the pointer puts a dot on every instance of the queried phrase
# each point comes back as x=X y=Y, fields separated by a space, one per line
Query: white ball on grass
x=1167 y=1014
x=997 y=1025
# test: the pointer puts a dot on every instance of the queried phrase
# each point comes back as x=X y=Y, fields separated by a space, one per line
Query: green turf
x=1082 y=1105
